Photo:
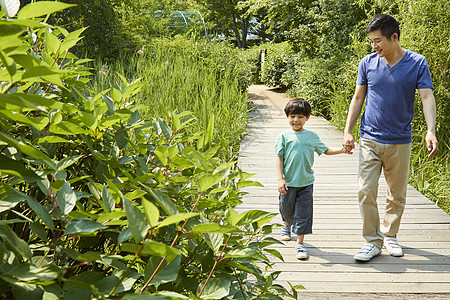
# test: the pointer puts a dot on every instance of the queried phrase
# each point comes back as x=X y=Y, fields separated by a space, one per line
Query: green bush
x=96 y=202
x=276 y=63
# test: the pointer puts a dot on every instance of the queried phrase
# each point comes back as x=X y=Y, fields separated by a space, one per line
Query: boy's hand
x=282 y=187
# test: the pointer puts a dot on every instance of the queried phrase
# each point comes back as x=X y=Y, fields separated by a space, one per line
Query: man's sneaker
x=300 y=252
x=285 y=233
x=367 y=252
x=392 y=246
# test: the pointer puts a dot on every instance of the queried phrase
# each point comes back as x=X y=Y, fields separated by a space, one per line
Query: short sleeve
x=424 y=76
x=279 y=145
x=319 y=146
x=361 y=79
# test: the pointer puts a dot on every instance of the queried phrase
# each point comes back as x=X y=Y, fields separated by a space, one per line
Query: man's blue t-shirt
x=391 y=96
x=298 y=149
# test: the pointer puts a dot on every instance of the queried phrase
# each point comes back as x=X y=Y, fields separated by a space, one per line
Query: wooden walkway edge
x=331 y=272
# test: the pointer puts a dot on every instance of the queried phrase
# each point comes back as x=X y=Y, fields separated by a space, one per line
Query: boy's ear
x=307 y=118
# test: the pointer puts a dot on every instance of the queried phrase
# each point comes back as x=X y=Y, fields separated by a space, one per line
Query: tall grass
x=185 y=75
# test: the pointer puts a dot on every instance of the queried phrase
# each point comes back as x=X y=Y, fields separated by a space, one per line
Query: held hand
x=282 y=187
x=432 y=143
x=348 y=143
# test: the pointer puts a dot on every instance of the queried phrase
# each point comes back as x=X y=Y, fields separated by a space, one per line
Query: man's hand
x=432 y=143
x=282 y=187
x=348 y=143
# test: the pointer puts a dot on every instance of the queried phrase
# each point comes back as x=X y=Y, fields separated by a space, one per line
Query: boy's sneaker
x=367 y=252
x=285 y=233
x=300 y=252
x=392 y=246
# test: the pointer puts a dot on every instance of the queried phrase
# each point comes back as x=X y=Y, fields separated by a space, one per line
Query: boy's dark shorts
x=296 y=208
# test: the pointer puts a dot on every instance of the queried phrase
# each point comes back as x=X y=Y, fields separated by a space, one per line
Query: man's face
x=380 y=43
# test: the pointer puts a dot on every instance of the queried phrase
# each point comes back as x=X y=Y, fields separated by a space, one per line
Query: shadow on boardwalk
x=331 y=272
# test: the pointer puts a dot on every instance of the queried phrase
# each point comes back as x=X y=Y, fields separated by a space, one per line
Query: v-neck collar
x=400 y=61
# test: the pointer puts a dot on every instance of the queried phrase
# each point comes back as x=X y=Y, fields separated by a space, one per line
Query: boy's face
x=297 y=121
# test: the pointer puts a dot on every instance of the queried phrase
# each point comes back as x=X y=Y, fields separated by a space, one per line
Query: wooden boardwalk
x=331 y=272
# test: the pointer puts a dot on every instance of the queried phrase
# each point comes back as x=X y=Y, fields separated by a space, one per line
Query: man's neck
x=395 y=56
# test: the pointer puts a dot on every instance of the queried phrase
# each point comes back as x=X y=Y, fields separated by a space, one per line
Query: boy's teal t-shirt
x=298 y=149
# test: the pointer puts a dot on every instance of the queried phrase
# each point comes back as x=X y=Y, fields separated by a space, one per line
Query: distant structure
x=182 y=21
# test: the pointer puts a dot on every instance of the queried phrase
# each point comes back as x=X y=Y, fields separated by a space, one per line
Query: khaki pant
x=393 y=159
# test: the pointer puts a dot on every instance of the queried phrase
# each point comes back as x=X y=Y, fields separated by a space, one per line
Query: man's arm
x=429 y=111
x=353 y=113
x=282 y=186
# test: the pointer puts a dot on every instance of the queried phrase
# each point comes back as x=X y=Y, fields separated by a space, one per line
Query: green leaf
x=151 y=212
x=232 y=216
x=41 y=8
x=28 y=150
x=66 y=198
x=39 y=230
x=214 y=241
x=152 y=248
x=16 y=168
x=136 y=221
x=242 y=252
x=66 y=128
x=209 y=132
x=51 y=43
x=253 y=216
x=168 y=271
x=16 y=244
x=108 y=199
x=165 y=129
x=216 y=288
x=51 y=139
x=215 y=228
x=9 y=198
x=38 y=123
x=176 y=219
x=275 y=253
x=128 y=278
x=108 y=122
x=67 y=162
x=28 y=272
x=163 y=200
x=207 y=181
x=247 y=183
x=82 y=225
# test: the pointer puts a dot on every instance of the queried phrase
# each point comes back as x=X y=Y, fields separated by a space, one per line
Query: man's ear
x=394 y=36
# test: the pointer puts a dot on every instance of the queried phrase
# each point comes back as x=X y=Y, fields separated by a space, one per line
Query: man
x=387 y=81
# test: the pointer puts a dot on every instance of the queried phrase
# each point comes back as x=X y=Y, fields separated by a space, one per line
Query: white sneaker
x=367 y=252
x=392 y=246
x=300 y=252
x=285 y=233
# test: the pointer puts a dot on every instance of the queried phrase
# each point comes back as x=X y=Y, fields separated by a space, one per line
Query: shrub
x=276 y=63
x=96 y=202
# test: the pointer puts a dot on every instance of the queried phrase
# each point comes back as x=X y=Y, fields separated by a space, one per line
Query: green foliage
x=206 y=78
x=276 y=63
x=96 y=202
x=425 y=31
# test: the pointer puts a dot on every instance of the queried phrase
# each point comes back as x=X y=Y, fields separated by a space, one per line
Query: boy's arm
x=282 y=187
x=334 y=151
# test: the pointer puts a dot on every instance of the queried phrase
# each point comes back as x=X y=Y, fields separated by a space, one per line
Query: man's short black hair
x=298 y=106
x=387 y=25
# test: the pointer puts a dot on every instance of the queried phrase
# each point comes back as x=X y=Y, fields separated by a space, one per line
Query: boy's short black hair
x=387 y=25
x=298 y=106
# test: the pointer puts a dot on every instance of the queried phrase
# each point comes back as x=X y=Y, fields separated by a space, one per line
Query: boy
x=295 y=157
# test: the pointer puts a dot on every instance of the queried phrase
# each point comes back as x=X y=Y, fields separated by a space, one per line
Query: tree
x=229 y=17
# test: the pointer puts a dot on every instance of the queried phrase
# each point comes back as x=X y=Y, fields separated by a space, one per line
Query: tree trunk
x=245 y=25
x=236 y=31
